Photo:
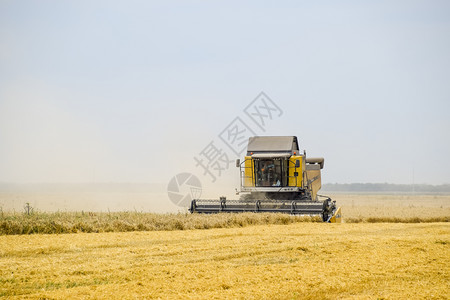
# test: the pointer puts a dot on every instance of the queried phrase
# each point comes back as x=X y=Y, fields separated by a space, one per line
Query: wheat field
x=393 y=207
x=132 y=255
x=295 y=261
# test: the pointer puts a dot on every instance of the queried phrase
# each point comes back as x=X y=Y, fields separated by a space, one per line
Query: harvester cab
x=276 y=177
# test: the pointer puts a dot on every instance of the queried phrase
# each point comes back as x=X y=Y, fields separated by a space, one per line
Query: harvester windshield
x=271 y=172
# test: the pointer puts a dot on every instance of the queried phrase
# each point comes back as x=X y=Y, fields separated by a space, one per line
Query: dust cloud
x=87 y=197
x=58 y=158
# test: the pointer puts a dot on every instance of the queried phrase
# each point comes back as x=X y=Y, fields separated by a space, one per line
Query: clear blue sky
x=131 y=91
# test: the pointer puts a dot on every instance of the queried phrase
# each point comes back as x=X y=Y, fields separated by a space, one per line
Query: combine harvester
x=275 y=177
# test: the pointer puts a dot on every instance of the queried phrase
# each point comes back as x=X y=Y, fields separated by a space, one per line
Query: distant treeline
x=386 y=187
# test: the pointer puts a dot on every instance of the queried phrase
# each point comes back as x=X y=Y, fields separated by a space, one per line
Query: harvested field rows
x=296 y=261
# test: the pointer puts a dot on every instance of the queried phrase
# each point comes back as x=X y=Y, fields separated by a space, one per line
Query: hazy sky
x=131 y=91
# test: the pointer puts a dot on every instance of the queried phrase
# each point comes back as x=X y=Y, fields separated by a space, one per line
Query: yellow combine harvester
x=276 y=177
